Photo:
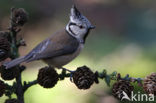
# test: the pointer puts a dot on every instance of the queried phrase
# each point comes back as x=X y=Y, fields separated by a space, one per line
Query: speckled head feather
x=76 y=16
x=78 y=26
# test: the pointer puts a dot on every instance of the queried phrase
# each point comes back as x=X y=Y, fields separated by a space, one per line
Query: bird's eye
x=81 y=26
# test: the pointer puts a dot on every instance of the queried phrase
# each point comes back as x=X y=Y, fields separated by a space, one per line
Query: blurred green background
x=124 y=41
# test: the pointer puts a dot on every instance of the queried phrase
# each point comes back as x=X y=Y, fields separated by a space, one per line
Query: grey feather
x=49 y=48
x=14 y=62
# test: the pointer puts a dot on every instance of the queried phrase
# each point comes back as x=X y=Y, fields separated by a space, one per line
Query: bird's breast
x=63 y=60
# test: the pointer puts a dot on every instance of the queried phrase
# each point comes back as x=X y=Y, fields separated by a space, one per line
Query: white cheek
x=75 y=30
x=78 y=31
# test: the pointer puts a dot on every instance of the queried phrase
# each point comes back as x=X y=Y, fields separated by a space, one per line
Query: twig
x=15 y=54
x=29 y=84
x=19 y=89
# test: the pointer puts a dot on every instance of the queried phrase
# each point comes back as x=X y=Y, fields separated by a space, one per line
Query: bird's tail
x=14 y=62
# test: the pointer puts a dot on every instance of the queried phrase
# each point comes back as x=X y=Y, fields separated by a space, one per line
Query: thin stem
x=29 y=84
x=19 y=89
x=15 y=54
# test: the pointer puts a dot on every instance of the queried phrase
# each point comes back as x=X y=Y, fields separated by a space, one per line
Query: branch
x=29 y=84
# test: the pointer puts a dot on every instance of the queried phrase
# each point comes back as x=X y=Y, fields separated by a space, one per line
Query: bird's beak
x=92 y=27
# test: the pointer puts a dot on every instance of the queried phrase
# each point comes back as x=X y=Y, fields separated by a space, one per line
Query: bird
x=61 y=47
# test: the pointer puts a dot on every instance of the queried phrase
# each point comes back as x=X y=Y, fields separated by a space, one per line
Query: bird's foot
x=68 y=70
x=71 y=73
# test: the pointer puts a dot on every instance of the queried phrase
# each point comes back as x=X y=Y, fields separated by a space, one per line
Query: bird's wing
x=50 y=49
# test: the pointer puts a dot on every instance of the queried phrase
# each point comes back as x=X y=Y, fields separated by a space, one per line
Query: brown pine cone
x=2 y=88
x=20 y=16
x=83 y=77
x=47 y=77
x=4 y=33
x=149 y=84
x=9 y=74
x=122 y=86
x=4 y=48
x=11 y=101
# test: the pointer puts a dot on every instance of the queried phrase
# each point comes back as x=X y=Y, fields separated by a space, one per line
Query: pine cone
x=4 y=48
x=4 y=34
x=150 y=84
x=83 y=77
x=9 y=74
x=20 y=16
x=47 y=77
x=12 y=101
x=2 y=88
x=121 y=86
